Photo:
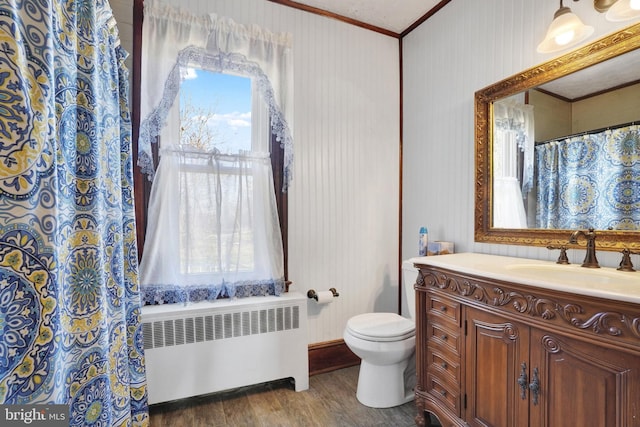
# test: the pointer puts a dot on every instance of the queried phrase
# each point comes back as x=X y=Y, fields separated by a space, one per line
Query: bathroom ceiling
x=398 y=15
x=616 y=72
x=391 y=15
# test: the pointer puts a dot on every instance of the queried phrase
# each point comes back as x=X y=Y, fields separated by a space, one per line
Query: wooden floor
x=330 y=401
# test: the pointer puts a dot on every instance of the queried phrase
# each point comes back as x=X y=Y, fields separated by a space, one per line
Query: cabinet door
x=496 y=350
x=583 y=384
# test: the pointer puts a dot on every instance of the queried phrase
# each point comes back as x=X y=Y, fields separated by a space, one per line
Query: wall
x=552 y=116
x=344 y=199
x=587 y=114
x=556 y=118
x=465 y=47
x=343 y=214
x=123 y=12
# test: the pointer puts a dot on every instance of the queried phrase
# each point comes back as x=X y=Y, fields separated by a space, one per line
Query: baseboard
x=330 y=355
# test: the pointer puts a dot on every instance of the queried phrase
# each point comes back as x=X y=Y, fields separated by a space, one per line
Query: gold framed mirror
x=625 y=41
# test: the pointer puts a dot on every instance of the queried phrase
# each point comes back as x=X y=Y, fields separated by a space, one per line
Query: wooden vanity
x=510 y=342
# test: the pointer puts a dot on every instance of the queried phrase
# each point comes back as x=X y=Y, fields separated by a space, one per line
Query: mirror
x=610 y=50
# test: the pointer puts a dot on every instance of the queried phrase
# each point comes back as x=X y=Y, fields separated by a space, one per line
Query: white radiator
x=206 y=347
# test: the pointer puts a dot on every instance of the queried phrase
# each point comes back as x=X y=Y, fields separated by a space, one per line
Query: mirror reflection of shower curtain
x=513 y=135
x=590 y=181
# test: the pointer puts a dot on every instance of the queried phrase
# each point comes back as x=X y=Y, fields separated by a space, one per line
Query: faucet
x=590 y=260
x=626 y=264
x=562 y=258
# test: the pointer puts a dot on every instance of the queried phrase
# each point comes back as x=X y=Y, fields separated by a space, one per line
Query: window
x=215 y=115
x=214 y=227
x=212 y=222
x=215 y=111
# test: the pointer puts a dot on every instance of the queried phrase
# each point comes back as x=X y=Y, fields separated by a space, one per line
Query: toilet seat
x=381 y=327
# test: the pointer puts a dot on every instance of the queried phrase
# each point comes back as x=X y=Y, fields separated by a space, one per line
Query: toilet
x=386 y=343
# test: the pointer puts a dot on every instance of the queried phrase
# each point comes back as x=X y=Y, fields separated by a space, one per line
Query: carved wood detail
x=551 y=345
x=564 y=357
x=612 y=323
x=600 y=50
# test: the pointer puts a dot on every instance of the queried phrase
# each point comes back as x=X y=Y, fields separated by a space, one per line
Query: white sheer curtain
x=513 y=133
x=174 y=37
x=213 y=226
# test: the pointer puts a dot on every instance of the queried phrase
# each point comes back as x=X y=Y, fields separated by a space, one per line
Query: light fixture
x=603 y=5
x=623 y=10
x=565 y=31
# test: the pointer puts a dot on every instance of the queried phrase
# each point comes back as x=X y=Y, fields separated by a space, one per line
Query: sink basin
x=606 y=282
x=571 y=273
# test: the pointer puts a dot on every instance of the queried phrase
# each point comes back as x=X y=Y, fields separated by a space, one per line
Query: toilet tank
x=408 y=303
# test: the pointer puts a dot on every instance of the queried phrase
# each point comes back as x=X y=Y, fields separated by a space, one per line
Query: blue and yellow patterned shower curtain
x=590 y=180
x=69 y=298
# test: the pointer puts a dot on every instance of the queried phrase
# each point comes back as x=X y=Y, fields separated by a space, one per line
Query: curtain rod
x=588 y=132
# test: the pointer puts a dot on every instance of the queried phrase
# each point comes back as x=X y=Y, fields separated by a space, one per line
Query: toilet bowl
x=386 y=343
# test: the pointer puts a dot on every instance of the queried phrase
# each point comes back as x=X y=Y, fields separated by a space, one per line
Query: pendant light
x=623 y=10
x=565 y=31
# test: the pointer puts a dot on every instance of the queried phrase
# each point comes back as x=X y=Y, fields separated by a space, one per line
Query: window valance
x=174 y=37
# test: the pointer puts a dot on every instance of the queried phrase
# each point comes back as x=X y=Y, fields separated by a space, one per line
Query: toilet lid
x=381 y=327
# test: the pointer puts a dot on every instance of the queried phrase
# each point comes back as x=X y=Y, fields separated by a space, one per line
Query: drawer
x=441 y=336
x=443 y=364
x=444 y=308
x=445 y=392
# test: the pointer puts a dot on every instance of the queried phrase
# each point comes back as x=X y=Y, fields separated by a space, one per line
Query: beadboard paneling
x=343 y=215
x=465 y=47
x=344 y=199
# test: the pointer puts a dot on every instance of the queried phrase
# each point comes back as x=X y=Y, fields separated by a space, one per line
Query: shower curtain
x=69 y=299
x=590 y=181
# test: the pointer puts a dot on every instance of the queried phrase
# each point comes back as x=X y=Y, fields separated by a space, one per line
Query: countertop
x=602 y=282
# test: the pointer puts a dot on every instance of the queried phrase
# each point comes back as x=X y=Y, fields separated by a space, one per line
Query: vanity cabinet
x=497 y=353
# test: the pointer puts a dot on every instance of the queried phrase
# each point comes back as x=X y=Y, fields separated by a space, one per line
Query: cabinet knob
x=444 y=337
x=444 y=365
x=443 y=393
x=443 y=308
x=535 y=386
x=522 y=381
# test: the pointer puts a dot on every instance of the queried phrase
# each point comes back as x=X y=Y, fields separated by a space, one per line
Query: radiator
x=207 y=347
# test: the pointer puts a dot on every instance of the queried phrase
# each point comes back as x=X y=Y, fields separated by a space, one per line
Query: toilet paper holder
x=312 y=294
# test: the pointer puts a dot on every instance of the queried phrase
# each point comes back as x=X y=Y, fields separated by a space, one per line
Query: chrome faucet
x=590 y=260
